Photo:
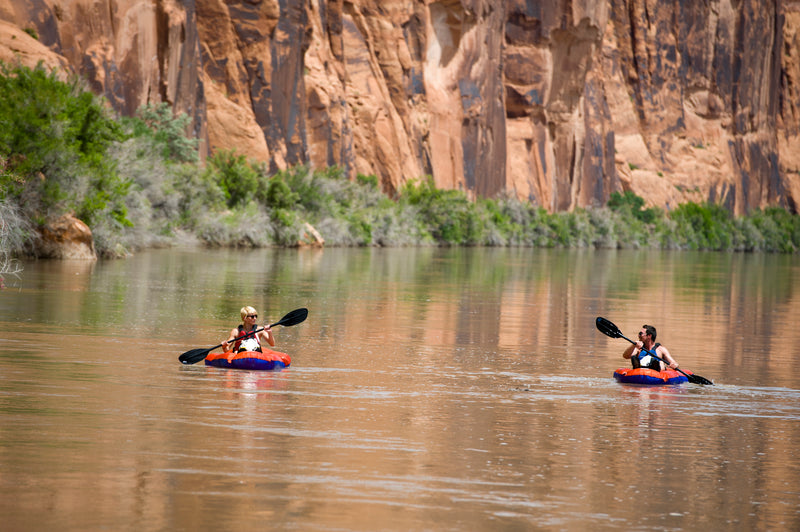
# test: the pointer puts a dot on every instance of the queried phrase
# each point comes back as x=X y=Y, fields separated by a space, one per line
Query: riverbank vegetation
x=137 y=183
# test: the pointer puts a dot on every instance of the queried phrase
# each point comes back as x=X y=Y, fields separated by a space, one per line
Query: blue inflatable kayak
x=650 y=376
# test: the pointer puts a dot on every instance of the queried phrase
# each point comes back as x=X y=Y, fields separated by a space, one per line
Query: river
x=430 y=389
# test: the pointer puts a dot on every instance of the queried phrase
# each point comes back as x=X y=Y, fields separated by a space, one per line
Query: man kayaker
x=647 y=341
x=252 y=342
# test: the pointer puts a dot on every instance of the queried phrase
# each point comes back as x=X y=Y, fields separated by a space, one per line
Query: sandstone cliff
x=559 y=102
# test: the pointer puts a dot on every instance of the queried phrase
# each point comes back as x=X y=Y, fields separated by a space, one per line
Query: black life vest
x=653 y=362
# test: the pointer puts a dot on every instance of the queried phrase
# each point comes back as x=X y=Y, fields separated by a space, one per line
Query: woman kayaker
x=647 y=339
x=252 y=342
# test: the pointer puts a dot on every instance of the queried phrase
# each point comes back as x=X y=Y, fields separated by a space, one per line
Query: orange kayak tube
x=267 y=361
x=650 y=376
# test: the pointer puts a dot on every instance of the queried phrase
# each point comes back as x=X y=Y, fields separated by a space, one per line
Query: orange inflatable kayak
x=268 y=360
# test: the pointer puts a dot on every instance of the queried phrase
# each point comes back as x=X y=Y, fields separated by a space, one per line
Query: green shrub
x=630 y=203
x=312 y=189
x=571 y=229
x=279 y=195
x=447 y=215
x=370 y=181
x=240 y=180
x=61 y=132
x=244 y=227
x=779 y=229
x=505 y=229
x=167 y=130
x=14 y=229
x=706 y=226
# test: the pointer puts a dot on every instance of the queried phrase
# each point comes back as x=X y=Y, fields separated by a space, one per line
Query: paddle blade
x=292 y=318
x=697 y=379
x=607 y=328
x=194 y=356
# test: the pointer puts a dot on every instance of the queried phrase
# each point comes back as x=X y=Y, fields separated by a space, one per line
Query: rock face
x=560 y=103
x=17 y=45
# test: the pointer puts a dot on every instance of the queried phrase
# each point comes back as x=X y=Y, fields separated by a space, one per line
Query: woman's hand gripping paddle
x=609 y=329
x=194 y=356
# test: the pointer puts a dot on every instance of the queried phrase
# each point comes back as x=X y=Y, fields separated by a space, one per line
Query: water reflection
x=727 y=316
x=724 y=315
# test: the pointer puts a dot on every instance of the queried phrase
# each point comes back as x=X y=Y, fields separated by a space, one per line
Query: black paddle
x=194 y=356
x=609 y=329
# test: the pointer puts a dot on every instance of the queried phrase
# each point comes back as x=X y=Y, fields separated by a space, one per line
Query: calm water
x=430 y=389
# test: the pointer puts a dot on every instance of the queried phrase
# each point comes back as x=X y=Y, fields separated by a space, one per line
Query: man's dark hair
x=649 y=329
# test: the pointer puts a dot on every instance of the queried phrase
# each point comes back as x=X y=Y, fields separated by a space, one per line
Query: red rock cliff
x=559 y=102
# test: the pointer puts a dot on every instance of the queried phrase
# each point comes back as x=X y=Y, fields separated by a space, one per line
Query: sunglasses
x=252 y=315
